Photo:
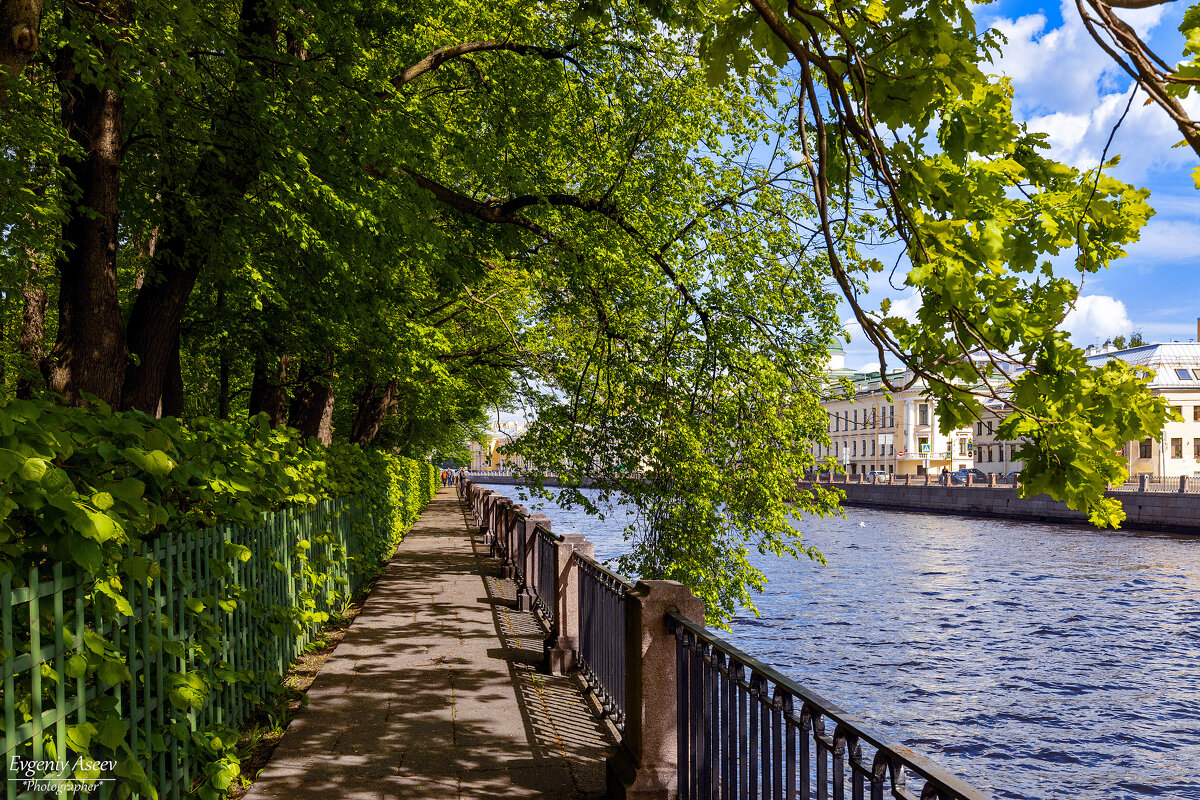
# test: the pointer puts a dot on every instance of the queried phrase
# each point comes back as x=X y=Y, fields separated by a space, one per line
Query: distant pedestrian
x=945 y=476
x=445 y=475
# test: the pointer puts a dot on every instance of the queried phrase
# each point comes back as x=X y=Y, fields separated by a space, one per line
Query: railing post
x=501 y=542
x=1182 y=484
x=1143 y=480
x=522 y=528
x=562 y=652
x=928 y=479
x=992 y=479
x=645 y=764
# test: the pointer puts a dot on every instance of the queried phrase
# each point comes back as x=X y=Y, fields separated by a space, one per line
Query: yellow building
x=488 y=454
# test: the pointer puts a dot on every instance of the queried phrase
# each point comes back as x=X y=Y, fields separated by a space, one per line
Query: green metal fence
x=257 y=615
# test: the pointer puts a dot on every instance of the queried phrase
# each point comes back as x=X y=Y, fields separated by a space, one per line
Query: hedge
x=157 y=581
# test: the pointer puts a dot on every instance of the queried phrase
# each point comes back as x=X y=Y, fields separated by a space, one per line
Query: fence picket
x=273 y=621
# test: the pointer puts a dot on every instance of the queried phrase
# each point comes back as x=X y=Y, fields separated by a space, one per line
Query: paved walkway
x=433 y=691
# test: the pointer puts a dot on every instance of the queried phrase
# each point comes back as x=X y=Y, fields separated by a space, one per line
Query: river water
x=1033 y=661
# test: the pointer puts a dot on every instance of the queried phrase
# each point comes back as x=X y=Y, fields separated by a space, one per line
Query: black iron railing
x=545 y=578
x=602 y=635
x=747 y=732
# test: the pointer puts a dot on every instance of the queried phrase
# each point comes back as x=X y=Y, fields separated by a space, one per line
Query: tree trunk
x=19 y=22
x=35 y=298
x=195 y=216
x=89 y=354
x=174 y=395
x=223 y=378
x=267 y=394
x=312 y=407
x=371 y=411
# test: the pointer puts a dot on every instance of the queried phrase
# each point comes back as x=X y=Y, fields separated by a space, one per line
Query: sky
x=1067 y=87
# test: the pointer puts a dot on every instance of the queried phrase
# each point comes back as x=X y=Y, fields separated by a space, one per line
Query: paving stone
x=432 y=692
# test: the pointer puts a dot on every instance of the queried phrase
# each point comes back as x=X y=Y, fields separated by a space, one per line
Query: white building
x=874 y=430
x=1176 y=367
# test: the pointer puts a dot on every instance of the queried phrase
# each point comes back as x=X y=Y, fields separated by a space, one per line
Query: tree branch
x=450 y=52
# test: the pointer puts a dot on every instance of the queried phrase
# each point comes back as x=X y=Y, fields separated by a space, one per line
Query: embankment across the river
x=1177 y=512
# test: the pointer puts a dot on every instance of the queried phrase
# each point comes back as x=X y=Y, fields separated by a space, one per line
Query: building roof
x=1164 y=358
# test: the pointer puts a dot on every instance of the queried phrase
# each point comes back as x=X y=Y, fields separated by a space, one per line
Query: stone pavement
x=433 y=692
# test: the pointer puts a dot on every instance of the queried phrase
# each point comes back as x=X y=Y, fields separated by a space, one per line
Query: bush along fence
x=696 y=717
x=132 y=649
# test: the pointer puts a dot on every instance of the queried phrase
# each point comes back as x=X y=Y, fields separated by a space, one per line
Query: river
x=1033 y=661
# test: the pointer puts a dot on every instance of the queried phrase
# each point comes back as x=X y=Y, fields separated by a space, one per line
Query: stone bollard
x=502 y=540
x=525 y=551
x=645 y=765
x=1143 y=480
x=907 y=479
x=970 y=480
x=928 y=482
x=562 y=651
x=992 y=479
x=1182 y=484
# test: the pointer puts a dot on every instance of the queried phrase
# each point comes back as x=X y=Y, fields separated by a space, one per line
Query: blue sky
x=1067 y=87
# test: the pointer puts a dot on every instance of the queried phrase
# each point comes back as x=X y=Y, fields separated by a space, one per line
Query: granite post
x=561 y=653
x=645 y=764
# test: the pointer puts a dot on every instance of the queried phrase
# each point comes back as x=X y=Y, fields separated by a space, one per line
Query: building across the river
x=872 y=430
x=488 y=454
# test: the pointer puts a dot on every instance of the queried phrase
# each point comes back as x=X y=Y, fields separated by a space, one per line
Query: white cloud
x=1064 y=85
x=1096 y=318
x=906 y=307
x=1174 y=241
x=1062 y=69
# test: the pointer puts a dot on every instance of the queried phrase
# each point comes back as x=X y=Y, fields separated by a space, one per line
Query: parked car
x=960 y=476
x=879 y=476
x=1012 y=477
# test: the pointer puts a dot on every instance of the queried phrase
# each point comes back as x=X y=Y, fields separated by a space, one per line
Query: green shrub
x=158 y=579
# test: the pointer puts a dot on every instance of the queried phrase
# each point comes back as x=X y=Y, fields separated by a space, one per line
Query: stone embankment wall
x=1159 y=511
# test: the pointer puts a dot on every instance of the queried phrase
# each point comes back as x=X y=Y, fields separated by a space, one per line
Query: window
x=891 y=468
x=864 y=448
x=1196 y=449
x=962 y=447
x=1144 y=448
x=872 y=447
x=990 y=430
x=1183 y=374
x=923 y=414
x=1196 y=374
x=854 y=451
x=989 y=451
x=1177 y=448
x=856 y=419
x=979 y=429
x=1195 y=413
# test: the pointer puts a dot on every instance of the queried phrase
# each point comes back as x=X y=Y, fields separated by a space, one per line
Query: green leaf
x=79 y=737
x=111 y=730
x=33 y=469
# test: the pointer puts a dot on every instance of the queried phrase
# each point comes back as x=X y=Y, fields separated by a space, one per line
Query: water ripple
x=1067 y=655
